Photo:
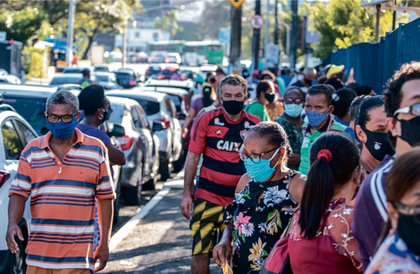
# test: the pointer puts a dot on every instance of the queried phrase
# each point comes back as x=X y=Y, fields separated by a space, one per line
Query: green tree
x=169 y=23
x=343 y=23
x=26 y=25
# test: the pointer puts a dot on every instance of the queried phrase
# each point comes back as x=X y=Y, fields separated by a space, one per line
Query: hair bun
x=325 y=153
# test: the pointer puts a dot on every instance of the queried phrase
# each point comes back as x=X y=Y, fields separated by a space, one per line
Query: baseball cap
x=334 y=69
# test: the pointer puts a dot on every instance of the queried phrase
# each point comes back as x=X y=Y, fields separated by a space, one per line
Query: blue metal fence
x=375 y=63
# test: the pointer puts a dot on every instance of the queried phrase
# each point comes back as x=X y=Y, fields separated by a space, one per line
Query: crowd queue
x=305 y=174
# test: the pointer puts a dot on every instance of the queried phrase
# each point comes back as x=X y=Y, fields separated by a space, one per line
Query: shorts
x=206 y=224
x=39 y=270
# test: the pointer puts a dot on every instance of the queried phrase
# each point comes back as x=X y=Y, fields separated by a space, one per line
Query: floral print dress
x=259 y=214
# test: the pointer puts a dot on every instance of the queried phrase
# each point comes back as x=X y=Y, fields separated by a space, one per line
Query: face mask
x=316 y=118
x=307 y=81
x=293 y=110
x=262 y=171
x=212 y=80
x=377 y=144
x=408 y=229
x=107 y=115
x=62 y=130
x=270 y=97
x=233 y=107
x=410 y=131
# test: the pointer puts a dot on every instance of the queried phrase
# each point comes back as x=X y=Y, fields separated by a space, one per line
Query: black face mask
x=270 y=97
x=410 y=131
x=212 y=80
x=377 y=144
x=307 y=81
x=233 y=107
x=408 y=229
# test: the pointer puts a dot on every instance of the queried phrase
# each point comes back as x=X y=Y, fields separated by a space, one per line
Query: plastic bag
x=227 y=269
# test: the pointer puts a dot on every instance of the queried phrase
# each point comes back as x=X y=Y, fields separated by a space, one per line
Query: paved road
x=160 y=243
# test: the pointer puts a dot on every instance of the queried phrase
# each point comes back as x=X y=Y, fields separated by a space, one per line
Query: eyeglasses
x=289 y=101
x=410 y=210
x=67 y=118
x=413 y=110
x=255 y=158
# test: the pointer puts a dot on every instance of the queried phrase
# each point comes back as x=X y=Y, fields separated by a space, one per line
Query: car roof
x=103 y=73
x=28 y=91
x=174 y=83
x=131 y=93
x=68 y=75
x=121 y=100
x=168 y=90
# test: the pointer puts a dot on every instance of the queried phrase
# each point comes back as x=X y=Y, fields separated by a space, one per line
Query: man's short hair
x=233 y=80
x=393 y=93
x=63 y=97
x=321 y=89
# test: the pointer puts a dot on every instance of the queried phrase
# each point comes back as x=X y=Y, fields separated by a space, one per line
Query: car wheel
x=164 y=170
x=179 y=164
x=132 y=195
x=117 y=202
x=19 y=259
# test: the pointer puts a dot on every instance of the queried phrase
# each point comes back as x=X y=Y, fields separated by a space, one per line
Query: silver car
x=159 y=109
x=139 y=146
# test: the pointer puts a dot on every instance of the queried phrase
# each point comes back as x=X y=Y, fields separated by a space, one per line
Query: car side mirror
x=157 y=126
x=115 y=130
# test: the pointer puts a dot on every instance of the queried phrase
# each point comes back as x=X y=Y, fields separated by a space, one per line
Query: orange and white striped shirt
x=63 y=200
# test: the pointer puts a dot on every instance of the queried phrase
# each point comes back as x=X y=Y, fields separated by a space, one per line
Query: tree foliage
x=342 y=23
x=169 y=23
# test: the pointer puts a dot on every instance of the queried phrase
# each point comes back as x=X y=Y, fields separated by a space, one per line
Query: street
x=160 y=242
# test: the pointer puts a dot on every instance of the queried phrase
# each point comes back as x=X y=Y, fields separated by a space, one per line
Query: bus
x=200 y=52
x=165 y=47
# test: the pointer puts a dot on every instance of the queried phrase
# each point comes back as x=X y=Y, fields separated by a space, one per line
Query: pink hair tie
x=325 y=153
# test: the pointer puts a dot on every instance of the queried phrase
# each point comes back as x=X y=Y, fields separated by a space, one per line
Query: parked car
x=107 y=79
x=29 y=101
x=68 y=78
x=152 y=71
x=6 y=77
x=139 y=146
x=100 y=68
x=160 y=110
x=127 y=78
x=181 y=99
x=142 y=57
x=15 y=134
x=187 y=85
x=76 y=69
x=167 y=73
x=157 y=58
x=173 y=58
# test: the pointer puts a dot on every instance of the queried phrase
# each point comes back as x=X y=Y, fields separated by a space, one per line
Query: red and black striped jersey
x=219 y=140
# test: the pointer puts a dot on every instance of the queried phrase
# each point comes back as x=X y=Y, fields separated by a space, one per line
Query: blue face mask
x=293 y=110
x=262 y=171
x=108 y=114
x=62 y=130
x=316 y=118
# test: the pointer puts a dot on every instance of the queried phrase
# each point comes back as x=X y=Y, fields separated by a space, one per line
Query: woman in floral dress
x=264 y=201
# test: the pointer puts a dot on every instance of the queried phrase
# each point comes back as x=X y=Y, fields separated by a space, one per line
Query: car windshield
x=102 y=78
x=75 y=70
x=65 y=80
x=149 y=107
x=32 y=109
x=101 y=69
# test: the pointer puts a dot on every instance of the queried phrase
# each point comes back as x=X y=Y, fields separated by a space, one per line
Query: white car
x=159 y=109
x=15 y=134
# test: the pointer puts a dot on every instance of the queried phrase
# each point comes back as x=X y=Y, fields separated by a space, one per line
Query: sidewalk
x=160 y=243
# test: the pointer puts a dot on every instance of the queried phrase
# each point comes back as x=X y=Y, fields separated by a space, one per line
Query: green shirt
x=294 y=134
x=257 y=109
x=309 y=138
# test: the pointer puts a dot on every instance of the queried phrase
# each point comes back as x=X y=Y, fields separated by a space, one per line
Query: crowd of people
x=325 y=183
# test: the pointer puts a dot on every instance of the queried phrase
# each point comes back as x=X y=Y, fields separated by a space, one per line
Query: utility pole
x=124 y=45
x=256 y=38
x=235 y=34
x=267 y=29
x=293 y=44
x=70 y=34
x=276 y=32
x=378 y=18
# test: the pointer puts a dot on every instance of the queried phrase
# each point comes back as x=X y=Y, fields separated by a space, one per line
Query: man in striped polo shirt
x=218 y=136
x=63 y=172
x=402 y=105
x=318 y=108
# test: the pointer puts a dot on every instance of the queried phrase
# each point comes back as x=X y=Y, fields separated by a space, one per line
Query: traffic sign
x=257 y=21
x=236 y=3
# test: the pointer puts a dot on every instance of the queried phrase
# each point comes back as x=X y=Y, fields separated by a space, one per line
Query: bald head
x=309 y=73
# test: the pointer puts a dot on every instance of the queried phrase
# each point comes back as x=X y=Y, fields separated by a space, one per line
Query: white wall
x=138 y=37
